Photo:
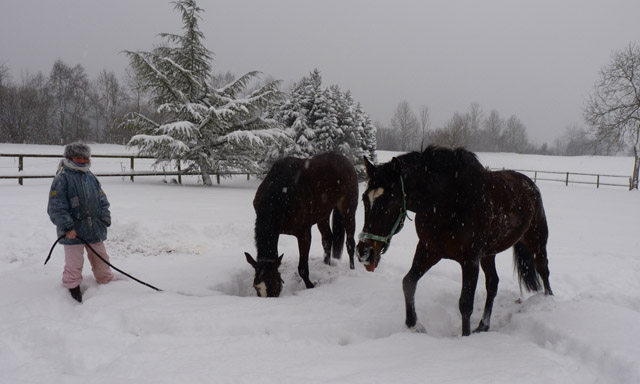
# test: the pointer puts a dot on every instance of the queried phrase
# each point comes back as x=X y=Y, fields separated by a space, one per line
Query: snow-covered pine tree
x=213 y=130
x=325 y=119
x=368 y=133
x=357 y=133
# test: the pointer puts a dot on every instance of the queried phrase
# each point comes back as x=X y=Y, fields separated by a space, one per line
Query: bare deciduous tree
x=613 y=109
x=514 y=136
x=69 y=87
x=4 y=75
x=425 y=125
x=405 y=122
x=455 y=133
x=492 y=132
x=473 y=126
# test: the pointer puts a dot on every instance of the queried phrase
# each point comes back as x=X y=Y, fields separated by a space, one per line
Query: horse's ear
x=395 y=165
x=369 y=167
x=250 y=260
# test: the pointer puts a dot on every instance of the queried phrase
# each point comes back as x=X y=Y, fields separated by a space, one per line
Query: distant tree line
x=66 y=105
x=480 y=132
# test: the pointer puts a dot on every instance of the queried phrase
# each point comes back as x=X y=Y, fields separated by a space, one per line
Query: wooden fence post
x=20 y=167
x=566 y=181
x=598 y=181
x=132 y=168
x=180 y=173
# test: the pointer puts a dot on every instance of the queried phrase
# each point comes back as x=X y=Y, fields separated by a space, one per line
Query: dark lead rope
x=101 y=258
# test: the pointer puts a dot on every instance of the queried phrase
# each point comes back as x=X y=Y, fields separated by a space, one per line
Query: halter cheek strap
x=397 y=226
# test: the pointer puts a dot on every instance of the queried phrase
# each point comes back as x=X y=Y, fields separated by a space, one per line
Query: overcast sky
x=535 y=59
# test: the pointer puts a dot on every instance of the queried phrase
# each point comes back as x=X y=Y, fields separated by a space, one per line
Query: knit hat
x=77 y=149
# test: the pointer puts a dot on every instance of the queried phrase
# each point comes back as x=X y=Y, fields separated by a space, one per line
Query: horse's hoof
x=418 y=328
x=481 y=328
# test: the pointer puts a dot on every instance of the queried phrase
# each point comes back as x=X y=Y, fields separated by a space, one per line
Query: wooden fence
x=563 y=177
x=131 y=174
x=577 y=178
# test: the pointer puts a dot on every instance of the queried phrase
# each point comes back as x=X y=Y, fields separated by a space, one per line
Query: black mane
x=440 y=159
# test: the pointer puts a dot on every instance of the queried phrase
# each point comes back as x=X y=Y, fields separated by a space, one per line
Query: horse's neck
x=417 y=189
x=269 y=223
x=414 y=181
x=267 y=244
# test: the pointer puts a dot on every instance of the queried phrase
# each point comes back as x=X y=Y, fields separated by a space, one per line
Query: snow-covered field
x=208 y=326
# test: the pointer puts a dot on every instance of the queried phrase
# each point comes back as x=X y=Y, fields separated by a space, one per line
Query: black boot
x=76 y=294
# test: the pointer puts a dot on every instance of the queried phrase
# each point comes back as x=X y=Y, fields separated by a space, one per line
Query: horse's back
x=516 y=206
x=331 y=169
x=326 y=179
x=308 y=189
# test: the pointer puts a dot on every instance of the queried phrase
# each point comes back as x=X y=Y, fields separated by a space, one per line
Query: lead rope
x=101 y=258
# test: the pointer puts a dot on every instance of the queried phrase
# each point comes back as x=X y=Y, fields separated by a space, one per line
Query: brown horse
x=464 y=213
x=295 y=195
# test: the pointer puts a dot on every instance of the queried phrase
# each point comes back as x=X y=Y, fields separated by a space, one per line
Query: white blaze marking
x=374 y=194
x=262 y=289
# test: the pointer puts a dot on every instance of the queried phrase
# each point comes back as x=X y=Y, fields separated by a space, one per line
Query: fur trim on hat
x=77 y=149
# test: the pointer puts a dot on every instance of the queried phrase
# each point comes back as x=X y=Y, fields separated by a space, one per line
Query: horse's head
x=267 y=281
x=385 y=209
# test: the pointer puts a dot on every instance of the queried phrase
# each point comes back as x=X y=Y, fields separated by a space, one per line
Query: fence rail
x=576 y=178
x=131 y=174
x=554 y=176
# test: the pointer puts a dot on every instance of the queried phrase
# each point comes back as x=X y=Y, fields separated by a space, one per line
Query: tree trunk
x=636 y=169
x=636 y=162
x=204 y=172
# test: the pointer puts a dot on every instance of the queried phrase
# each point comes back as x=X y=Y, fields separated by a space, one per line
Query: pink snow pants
x=74 y=260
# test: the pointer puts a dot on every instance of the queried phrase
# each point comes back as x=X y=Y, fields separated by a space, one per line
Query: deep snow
x=208 y=326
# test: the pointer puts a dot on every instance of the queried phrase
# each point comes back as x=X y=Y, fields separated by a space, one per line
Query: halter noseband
x=397 y=226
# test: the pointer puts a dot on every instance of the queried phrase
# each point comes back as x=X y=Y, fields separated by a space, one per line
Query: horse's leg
x=541 y=230
x=470 y=271
x=304 y=243
x=349 y=217
x=327 y=236
x=536 y=240
x=421 y=264
x=488 y=264
x=542 y=266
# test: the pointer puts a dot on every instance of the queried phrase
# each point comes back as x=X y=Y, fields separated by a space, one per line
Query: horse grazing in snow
x=295 y=195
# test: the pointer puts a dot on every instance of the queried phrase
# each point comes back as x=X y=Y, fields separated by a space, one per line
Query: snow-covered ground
x=208 y=326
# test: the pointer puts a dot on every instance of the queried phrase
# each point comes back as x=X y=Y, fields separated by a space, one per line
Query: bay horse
x=295 y=195
x=465 y=213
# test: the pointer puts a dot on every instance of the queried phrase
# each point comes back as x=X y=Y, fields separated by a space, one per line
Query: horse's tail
x=525 y=265
x=338 y=234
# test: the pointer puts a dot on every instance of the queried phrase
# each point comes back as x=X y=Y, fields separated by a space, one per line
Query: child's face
x=79 y=160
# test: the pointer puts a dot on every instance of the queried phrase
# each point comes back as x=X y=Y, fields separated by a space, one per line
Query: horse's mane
x=440 y=159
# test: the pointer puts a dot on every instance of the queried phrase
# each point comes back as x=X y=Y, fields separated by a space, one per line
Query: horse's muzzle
x=366 y=255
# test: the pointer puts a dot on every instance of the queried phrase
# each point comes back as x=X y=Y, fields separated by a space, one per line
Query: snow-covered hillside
x=208 y=326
